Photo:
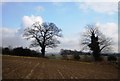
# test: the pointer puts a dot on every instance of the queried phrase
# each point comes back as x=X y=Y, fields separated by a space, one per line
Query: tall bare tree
x=43 y=35
x=96 y=41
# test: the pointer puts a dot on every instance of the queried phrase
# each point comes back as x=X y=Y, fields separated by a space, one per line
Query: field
x=15 y=67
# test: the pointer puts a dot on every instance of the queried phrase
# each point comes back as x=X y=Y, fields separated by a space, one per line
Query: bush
x=111 y=58
x=76 y=57
x=52 y=56
x=88 y=58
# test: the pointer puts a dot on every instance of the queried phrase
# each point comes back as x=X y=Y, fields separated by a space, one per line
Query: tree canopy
x=43 y=35
x=96 y=41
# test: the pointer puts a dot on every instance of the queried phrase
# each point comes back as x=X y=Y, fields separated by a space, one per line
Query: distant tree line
x=20 y=51
x=73 y=52
x=76 y=54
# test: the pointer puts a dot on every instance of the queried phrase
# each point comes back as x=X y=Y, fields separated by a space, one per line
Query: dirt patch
x=40 y=68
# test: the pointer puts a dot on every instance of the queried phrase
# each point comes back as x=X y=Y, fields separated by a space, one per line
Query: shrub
x=88 y=58
x=111 y=58
x=52 y=56
x=76 y=57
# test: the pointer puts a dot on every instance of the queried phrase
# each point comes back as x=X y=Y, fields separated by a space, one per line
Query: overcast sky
x=71 y=17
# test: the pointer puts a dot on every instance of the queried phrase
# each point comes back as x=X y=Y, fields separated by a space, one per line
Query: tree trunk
x=96 y=56
x=43 y=51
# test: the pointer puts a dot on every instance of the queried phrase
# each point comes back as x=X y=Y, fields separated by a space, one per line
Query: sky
x=71 y=17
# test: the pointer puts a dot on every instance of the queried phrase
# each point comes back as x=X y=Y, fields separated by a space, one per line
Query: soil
x=15 y=67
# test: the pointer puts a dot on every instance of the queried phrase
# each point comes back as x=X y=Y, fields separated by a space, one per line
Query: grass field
x=15 y=67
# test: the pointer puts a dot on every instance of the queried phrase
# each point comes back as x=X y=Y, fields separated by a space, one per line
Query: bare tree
x=43 y=35
x=96 y=41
